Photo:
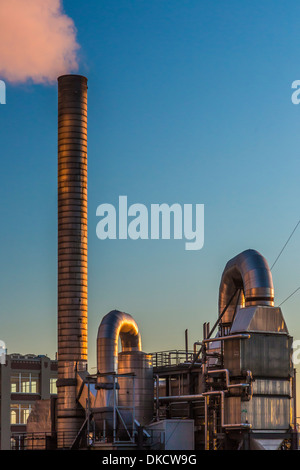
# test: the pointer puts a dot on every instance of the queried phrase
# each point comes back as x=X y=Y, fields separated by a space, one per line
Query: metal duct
x=72 y=250
x=250 y=273
x=114 y=326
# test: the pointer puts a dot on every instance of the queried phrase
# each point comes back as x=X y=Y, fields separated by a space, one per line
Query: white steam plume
x=37 y=41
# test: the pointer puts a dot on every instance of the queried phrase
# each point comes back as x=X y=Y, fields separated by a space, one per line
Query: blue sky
x=189 y=102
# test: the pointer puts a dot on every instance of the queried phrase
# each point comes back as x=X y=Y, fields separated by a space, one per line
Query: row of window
x=26 y=382
x=29 y=383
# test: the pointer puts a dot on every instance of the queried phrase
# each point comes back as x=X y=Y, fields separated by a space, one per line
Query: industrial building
x=234 y=390
x=24 y=380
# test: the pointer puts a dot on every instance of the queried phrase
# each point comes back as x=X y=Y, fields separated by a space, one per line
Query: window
x=19 y=413
x=24 y=413
x=17 y=442
x=15 y=384
x=25 y=382
x=53 y=388
x=34 y=382
x=13 y=414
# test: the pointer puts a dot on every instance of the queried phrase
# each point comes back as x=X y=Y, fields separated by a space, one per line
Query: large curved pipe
x=249 y=274
x=116 y=325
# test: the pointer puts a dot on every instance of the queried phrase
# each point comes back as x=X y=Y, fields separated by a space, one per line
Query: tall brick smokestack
x=72 y=250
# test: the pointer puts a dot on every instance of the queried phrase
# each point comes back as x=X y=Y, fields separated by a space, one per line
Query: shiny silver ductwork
x=246 y=281
x=121 y=326
x=246 y=289
x=114 y=326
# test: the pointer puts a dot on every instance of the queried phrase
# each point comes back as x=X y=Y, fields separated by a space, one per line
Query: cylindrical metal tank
x=72 y=250
x=141 y=396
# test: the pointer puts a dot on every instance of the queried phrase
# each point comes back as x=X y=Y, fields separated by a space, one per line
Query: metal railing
x=44 y=440
x=33 y=441
x=170 y=358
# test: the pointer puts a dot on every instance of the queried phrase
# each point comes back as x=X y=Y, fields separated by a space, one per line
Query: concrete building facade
x=24 y=379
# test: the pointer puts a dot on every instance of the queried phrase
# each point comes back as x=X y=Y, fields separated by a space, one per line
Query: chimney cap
x=72 y=77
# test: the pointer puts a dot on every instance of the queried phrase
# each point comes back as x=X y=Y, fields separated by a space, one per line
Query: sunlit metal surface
x=114 y=326
x=72 y=249
x=141 y=364
x=259 y=318
x=248 y=271
x=135 y=391
x=265 y=413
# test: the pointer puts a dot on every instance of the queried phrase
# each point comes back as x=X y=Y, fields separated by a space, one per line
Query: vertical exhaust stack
x=72 y=251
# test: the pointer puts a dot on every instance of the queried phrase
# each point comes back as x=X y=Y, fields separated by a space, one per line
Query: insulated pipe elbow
x=250 y=273
x=116 y=325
